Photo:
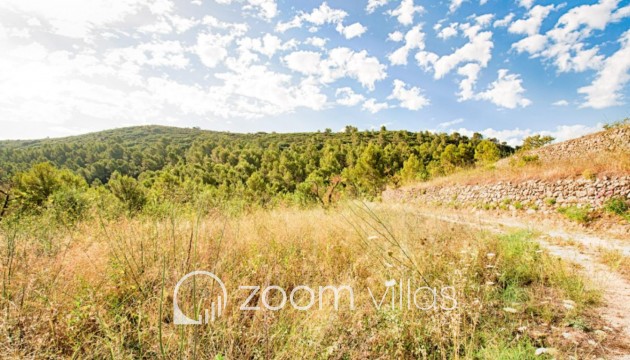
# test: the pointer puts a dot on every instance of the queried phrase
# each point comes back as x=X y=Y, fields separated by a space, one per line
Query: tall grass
x=104 y=287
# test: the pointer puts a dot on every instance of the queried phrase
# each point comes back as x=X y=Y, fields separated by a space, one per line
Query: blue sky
x=507 y=69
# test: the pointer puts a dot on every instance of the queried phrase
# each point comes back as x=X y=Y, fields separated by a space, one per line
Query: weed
x=580 y=215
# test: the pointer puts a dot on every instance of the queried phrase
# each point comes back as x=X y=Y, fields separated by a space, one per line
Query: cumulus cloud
x=532 y=44
x=212 y=48
x=341 y=62
x=448 y=31
x=455 y=4
x=374 y=4
x=466 y=86
x=506 y=91
x=505 y=21
x=414 y=39
x=347 y=97
x=324 y=14
x=605 y=91
x=405 y=12
x=561 y=103
x=305 y=62
x=409 y=98
x=316 y=41
x=526 y=3
x=565 y=44
x=373 y=106
x=531 y=25
x=478 y=49
x=395 y=36
x=351 y=31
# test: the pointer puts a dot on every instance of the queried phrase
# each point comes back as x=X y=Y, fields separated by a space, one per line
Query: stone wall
x=608 y=141
x=539 y=193
x=530 y=194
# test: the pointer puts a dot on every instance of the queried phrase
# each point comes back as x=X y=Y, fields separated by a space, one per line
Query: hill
x=266 y=163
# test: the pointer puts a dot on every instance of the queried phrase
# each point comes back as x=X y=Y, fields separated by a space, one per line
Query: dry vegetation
x=104 y=288
x=587 y=167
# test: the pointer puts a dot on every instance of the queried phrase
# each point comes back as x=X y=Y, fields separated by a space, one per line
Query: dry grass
x=586 y=167
x=103 y=289
x=616 y=261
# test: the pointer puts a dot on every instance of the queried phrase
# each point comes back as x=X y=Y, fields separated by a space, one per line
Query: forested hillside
x=164 y=163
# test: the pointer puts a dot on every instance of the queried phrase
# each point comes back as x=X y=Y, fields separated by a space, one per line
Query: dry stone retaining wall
x=533 y=192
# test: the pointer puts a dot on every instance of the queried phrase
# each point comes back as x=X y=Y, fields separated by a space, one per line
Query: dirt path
x=615 y=289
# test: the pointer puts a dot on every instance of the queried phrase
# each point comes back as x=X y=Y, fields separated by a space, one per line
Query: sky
x=504 y=68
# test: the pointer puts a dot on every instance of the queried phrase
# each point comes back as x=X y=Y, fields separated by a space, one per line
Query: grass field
x=104 y=288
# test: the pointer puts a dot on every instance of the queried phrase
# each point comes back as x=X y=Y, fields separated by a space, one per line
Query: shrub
x=550 y=201
x=588 y=174
x=616 y=205
x=69 y=205
x=577 y=214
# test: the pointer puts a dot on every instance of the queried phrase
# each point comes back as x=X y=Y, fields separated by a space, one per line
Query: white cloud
x=526 y=3
x=373 y=106
x=605 y=91
x=450 y=123
x=455 y=4
x=341 y=62
x=484 y=20
x=76 y=18
x=531 y=25
x=374 y=4
x=347 y=97
x=324 y=14
x=466 y=86
x=478 y=50
x=506 y=91
x=305 y=62
x=404 y=13
x=414 y=39
x=505 y=21
x=156 y=54
x=448 y=31
x=316 y=41
x=561 y=103
x=212 y=49
x=411 y=98
x=395 y=36
x=267 y=45
x=514 y=137
x=531 y=44
x=351 y=31
x=566 y=46
x=266 y=9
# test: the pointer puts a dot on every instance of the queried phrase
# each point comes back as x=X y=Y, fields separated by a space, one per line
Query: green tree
x=413 y=170
x=128 y=191
x=36 y=185
x=535 y=141
x=487 y=152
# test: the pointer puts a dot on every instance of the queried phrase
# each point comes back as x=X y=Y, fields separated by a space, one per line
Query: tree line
x=143 y=167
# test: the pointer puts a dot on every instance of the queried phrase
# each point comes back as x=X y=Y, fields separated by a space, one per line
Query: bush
x=617 y=206
x=69 y=206
x=550 y=201
x=578 y=214
x=588 y=174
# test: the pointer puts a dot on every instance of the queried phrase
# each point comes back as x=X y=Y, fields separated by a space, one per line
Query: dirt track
x=582 y=250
